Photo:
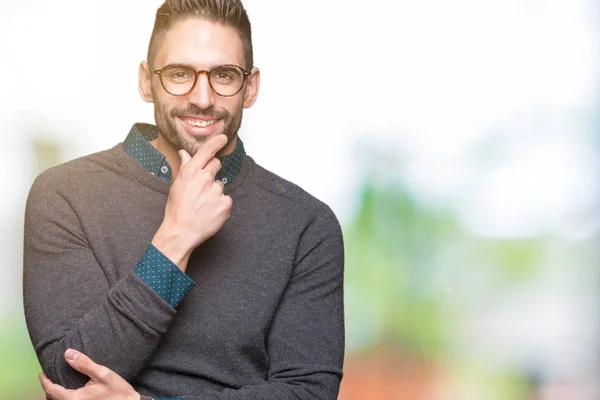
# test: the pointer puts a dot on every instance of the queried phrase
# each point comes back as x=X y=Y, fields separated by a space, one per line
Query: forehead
x=200 y=43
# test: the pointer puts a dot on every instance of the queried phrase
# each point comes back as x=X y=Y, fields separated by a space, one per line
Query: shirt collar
x=137 y=145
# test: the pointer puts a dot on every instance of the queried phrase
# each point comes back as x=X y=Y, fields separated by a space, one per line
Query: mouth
x=198 y=122
x=199 y=126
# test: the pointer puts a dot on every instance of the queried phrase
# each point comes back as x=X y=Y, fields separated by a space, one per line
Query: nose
x=202 y=94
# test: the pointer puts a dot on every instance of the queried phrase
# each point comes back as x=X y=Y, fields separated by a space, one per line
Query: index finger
x=208 y=151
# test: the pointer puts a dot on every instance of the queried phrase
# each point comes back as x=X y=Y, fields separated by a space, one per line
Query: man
x=174 y=266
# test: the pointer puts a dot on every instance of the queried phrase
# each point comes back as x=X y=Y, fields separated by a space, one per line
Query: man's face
x=189 y=121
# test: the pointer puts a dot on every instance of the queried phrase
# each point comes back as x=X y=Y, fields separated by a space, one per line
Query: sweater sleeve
x=68 y=301
x=306 y=341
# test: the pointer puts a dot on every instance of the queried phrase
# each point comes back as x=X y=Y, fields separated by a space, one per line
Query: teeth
x=194 y=122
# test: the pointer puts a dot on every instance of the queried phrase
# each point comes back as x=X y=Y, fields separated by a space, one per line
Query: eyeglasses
x=225 y=80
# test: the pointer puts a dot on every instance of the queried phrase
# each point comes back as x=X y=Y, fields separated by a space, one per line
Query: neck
x=166 y=148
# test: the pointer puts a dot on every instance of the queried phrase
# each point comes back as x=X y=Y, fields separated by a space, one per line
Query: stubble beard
x=167 y=126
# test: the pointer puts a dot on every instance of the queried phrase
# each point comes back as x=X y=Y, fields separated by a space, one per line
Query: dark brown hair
x=227 y=12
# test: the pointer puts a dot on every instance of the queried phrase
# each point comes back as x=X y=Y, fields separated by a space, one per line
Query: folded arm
x=69 y=302
x=306 y=340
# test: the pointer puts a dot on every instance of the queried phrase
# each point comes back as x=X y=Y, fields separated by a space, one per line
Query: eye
x=179 y=75
x=226 y=75
x=223 y=76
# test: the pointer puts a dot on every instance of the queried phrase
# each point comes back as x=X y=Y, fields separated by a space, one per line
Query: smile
x=199 y=123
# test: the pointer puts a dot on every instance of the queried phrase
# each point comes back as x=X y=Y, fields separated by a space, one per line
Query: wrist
x=170 y=243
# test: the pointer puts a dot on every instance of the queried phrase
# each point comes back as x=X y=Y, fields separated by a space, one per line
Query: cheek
x=161 y=99
x=162 y=116
x=164 y=106
x=233 y=105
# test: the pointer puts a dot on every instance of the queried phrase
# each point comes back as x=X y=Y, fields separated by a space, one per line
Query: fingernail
x=72 y=355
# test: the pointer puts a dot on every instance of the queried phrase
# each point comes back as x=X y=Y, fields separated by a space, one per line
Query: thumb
x=84 y=364
x=185 y=157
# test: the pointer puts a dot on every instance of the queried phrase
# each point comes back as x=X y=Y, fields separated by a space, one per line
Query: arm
x=305 y=344
x=68 y=301
x=306 y=341
x=67 y=297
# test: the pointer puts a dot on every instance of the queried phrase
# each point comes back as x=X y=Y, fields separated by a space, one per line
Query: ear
x=145 y=82
x=252 y=86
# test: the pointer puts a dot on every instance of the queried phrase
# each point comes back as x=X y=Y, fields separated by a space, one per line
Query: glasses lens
x=177 y=79
x=227 y=80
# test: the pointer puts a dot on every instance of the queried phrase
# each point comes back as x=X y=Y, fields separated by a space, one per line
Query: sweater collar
x=137 y=145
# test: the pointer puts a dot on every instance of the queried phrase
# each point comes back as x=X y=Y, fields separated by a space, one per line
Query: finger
x=85 y=365
x=54 y=391
x=208 y=151
x=227 y=204
x=219 y=187
x=213 y=167
x=185 y=157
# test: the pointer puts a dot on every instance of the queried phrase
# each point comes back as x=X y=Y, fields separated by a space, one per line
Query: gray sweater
x=264 y=321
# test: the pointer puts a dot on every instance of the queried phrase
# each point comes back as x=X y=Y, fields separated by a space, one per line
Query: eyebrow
x=196 y=69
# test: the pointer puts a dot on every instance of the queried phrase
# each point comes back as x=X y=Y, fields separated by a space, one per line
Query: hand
x=104 y=384
x=196 y=208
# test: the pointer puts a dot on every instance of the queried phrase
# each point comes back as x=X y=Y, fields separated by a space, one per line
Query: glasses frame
x=198 y=72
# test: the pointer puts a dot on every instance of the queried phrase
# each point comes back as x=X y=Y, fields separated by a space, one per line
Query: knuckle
x=195 y=170
x=103 y=373
x=205 y=177
x=83 y=361
x=189 y=171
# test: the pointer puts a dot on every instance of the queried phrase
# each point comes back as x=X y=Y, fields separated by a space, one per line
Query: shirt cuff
x=163 y=276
